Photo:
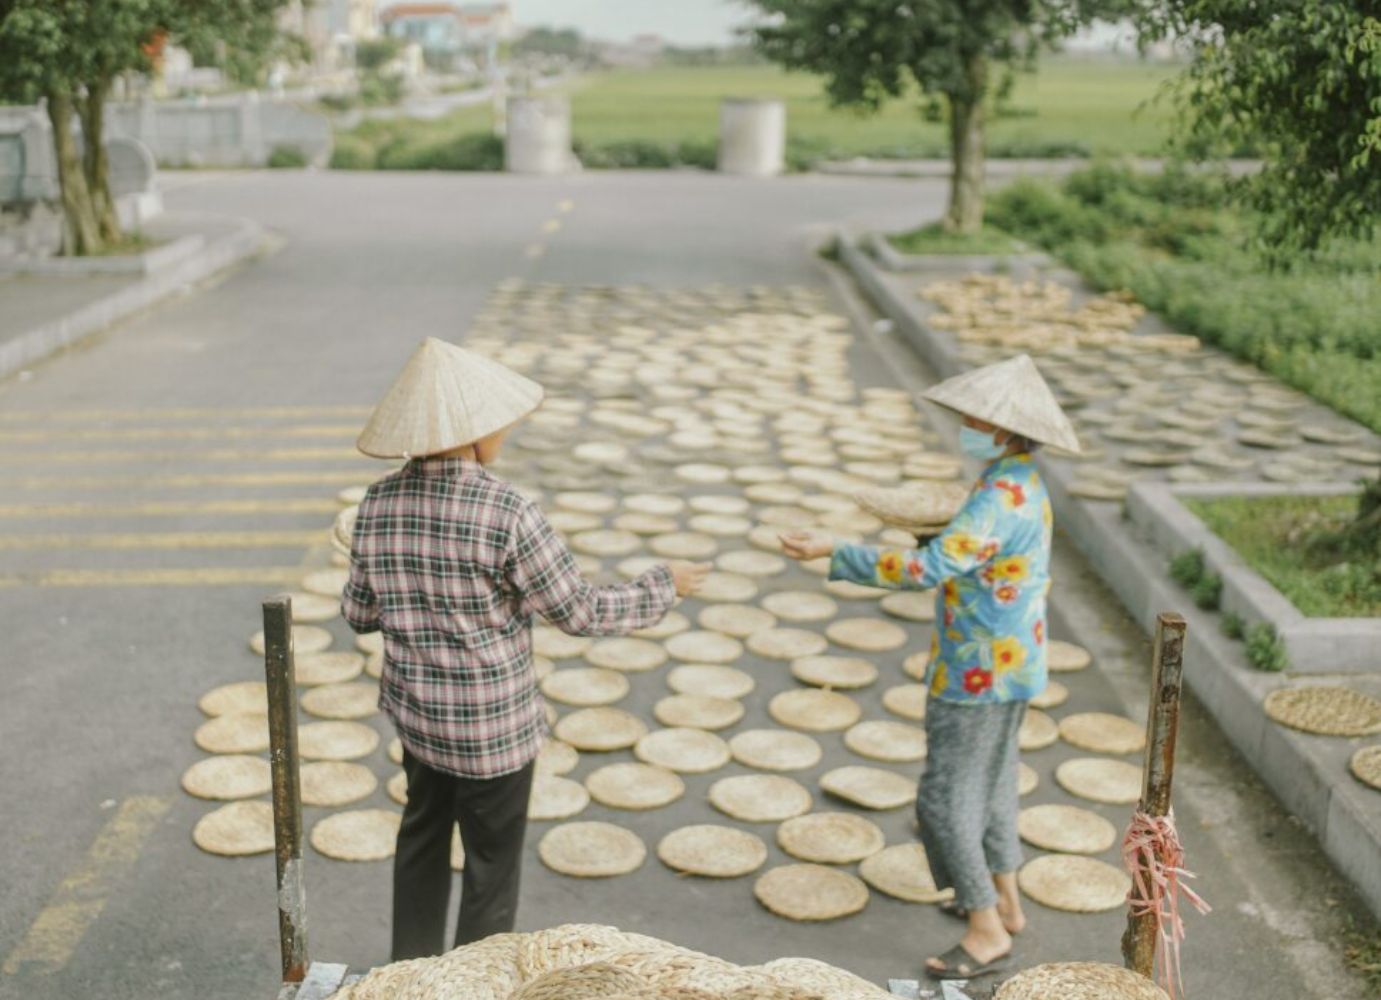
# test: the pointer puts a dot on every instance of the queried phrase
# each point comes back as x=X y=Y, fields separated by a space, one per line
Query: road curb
x=33 y=345
x=1308 y=774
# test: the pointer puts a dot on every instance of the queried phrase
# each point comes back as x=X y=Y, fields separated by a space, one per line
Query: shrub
x=1232 y=625
x=380 y=90
x=702 y=153
x=337 y=102
x=352 y=153
x=626 y=154
x=286 y=157
x=1207 y=591
x=473 y=151
x=1265 y=651
x=1187 y=568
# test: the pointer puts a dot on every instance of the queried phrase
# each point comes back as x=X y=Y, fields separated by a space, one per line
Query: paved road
x=233 y=411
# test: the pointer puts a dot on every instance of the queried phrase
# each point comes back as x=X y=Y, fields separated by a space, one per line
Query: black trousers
x=492 y=813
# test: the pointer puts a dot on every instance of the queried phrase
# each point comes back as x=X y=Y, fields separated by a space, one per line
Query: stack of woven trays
x=595 y=962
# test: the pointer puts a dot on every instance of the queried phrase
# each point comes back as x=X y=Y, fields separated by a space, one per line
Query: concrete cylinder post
x=752 y=137
x=538 y=136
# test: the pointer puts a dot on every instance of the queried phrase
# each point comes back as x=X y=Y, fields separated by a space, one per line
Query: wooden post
x=287 y=790
x=1162 y=729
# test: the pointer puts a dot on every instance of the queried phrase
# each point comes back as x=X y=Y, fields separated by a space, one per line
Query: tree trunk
x=95 y=164
x=967 y=150
x=81 y=234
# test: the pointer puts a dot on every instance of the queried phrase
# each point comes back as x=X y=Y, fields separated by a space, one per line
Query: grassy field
x=669 y=116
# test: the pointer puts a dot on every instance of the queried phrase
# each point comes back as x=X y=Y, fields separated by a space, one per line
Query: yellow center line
x=200 y=455
x=168 y=480
x=185 y=413
x=348 y=431
x=161 y=508
x=201 y=576
x=534 y=251
x=551 y=226
x=565 y=206
x=166 y=540
x=60 y=926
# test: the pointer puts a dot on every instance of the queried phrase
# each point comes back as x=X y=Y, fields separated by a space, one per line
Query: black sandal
x=959 y=964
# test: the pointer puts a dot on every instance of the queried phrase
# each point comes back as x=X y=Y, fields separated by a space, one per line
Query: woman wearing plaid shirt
x=450 y=563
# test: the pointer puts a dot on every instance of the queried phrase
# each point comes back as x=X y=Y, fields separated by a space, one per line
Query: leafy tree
x=372 y=55
x=544 y=41
x=69 y=53
x=958 y=51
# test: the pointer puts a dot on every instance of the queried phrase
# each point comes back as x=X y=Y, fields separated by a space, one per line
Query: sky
x=681 y=22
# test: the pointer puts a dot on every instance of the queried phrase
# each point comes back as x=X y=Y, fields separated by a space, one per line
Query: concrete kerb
x=881 y=248
x=1308 y=774
x=188 y=267
x=149 y=262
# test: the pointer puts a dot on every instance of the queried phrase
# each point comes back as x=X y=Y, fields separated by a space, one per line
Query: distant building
x=449 y=29
x=353 y=19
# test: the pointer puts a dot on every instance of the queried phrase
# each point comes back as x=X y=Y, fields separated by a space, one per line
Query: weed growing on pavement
x=1265 y=651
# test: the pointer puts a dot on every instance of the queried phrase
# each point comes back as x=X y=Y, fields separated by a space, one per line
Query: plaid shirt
x=450 y=563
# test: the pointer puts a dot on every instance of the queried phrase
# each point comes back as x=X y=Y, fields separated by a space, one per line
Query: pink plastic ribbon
x=1153 y=857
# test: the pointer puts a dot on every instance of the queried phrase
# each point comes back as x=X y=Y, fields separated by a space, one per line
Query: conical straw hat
x=446 y=397
x=1012 y=395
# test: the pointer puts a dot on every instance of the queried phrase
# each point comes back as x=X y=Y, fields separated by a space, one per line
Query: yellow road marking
x=79 y=899
x=534 y=251
x=207 y=576
x=565 y=205
x=185 y=413
x=162 y=508
x=551 y=226
x=349 y=431
x=197 y=454
x=192 y=479
x=167 y=540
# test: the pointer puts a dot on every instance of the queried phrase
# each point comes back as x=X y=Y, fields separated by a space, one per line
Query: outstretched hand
x=687 y=576
x=806 y=545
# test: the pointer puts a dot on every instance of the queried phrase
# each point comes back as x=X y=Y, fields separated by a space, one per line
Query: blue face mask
x=978 y=444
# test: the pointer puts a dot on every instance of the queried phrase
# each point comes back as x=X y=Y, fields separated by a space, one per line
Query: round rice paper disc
x=810 y=892
x=704 y=647
x=697 y=711
x=711 y=680
x=1027 y=778
x=684 y=545
x=309 y=607
x=1079 y=981
x=353 y=700
x=1325 y=710
x=749 y=563
x=336 y=740
x=907 y=701
x=600 y=729
x=702 y=472
x=760 y=798
x=786 y=518
x=721 y=525
x=869 y=787
x=837 y=838
x=850 y=591
x=586 y=503
x=1099 y=732
x=672 y=623
x=636 y=566
x=557 y=645
x=626 y=655
x=368 y=643
x=1365 y=766
x=683 y=749
x=1054 y=695
x=555 y=797
x=556 y=757
x=662 y=504
x=326 y=583
x=606 y=542
x=801 y=606
x=234 y=776
x=775 y=750
x=814 y=710
x=1074 y=883
x=787 y=643
x=911 y=605
x=236 y=829
x=903 y=872
x=1100 y=779
x=358 y=835
x=395 y=750
x=634 y=786
x=880 y=739
x=867 y=634
x=1067 y=829
x=645 y=524
x=834 y=671
x=567 y=522
x=1038 y=731
x=773 y=491
x=585 y=686
x=328 y=668
x=305 y=639
x=237 y=732
x=728 y=587
x=397 y=788
x=334 y=783
x=542 y=667
x=1064 y=657
x=737 y=620
x=915 y=665
x=243 y=697
x=713 y=851
x=591 y=850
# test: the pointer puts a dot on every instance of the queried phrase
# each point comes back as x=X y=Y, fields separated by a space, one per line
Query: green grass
x=1076 y=106
x=1277 y=537
x=934 y=239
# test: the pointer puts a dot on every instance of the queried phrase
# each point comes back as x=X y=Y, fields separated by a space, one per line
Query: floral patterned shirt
x=992 y=567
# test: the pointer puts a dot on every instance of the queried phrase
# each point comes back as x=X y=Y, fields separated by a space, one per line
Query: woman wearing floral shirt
x=991 y=568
